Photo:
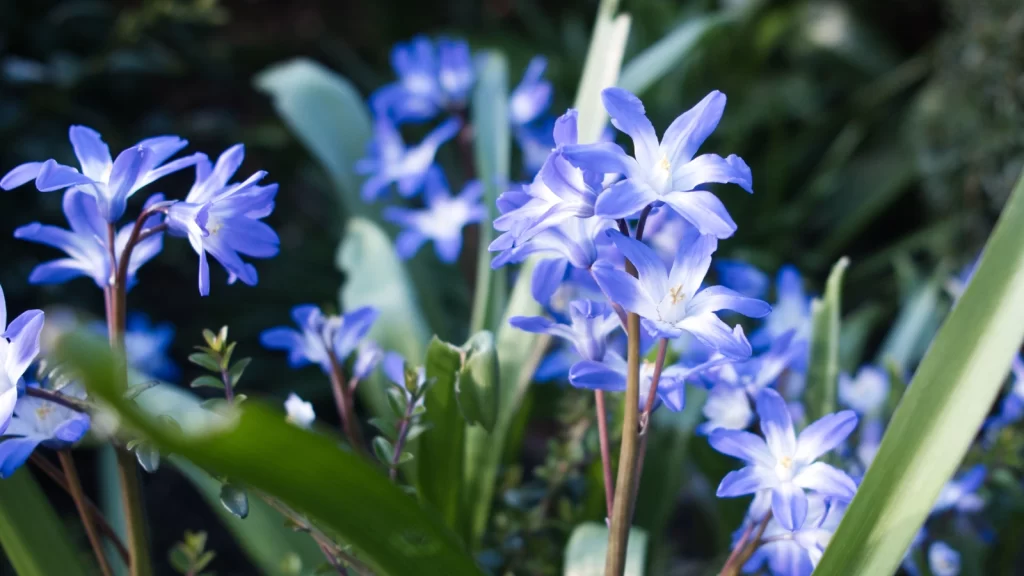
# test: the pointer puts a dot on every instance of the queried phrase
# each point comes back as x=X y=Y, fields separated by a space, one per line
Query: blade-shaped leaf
x=308 y=471
x=942 y=410
x=660 y=58
x=31 y=533
x=823 y=367
x=584 y=554
x=493 y=155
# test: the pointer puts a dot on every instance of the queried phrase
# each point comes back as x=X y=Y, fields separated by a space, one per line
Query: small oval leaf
x=235 y=499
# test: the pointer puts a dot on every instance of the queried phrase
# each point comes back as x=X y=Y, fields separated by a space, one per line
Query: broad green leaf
x=441 y=451
x=584 y=554
x=660 y=58
x=478 y=382
x=376 y=276
x=308 y=471
x=493 y=155
x=263 y=535
x=31 y=533
x=519 y=352
x=941 y=411
x=823 y=369
x=329 y=117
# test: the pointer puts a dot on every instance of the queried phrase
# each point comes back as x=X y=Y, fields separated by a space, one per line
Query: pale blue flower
x=320 y=336
x=86 y=243
x=960 y=493
x=389 y=161
x=432 y=77
x=671 y=301
x=664 y=171
x=532 y=96
x=592 y=324
x=867 y=393
x=147 y=345
x=441 y=221
x=742 y=277
x=790 y=312
x=943 y=560
x=19 y=346
x=111 y=182
x=784 y=462
x=796 y=552
x=368 y=355
x=41 y=422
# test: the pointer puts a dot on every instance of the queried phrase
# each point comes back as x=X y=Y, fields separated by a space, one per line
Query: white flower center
x=661 y=176
x=672 y=307
x=784 y=468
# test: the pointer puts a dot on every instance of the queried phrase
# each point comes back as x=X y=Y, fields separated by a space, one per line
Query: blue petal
x=54 y=176
x=541 y=325
x=712 y=168
x=408 y=243
x=743 y=445
x=8 y=398
x=628 y=115
x=745 y=481
x=394 y=368
x=127 y=170
x=690 y=264
x=687 y=132
x=624 y=198
x=742 y=277
x=776 y=423
x=712 y=332
x=24 y=333
x=282 y=338
x=702 y=209
x=625 y=290
x=565 y=131
x=14 y=452
x=789 y=505
x=92 y=152
x=649 y=266
x=60 y=271
x=354 y=326
x=824 y=479
x=547 y=277
x=824 y=435
x=448 y=249
x=21 y=174
x=715 y=298
x=596 y=376
x=601 y=158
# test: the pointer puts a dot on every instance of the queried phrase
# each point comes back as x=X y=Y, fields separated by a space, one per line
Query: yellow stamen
x=665 y=164
x=677 y=294
x=786 y=462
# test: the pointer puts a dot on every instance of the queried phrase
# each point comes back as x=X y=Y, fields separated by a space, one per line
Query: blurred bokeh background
x=890 y=131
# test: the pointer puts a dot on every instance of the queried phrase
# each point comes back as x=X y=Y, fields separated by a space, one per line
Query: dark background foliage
x=889 y=131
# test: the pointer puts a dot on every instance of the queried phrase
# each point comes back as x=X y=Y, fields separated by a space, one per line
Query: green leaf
x=238 y=369
x=668 y=53
x=147 y=455
x=477 y=385
x=308 y=471
x=940 y=413
x=235 y=500
x=387 y=426
x=263 y=535
x=397 y=401
x=207 y=381
x=205 y=361
x=440 y=456
x=918 y=320
x=493 y=149
x=377 y=277
x=383 y=450
x=585 y=552
x=823 y=367
x=31 y=533
x=519 y=352
x=329 y=116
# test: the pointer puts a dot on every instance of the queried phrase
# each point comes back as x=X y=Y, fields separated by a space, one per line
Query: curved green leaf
x=308 y=471
x=941 y=411
x=441 y=449
x=329 y=117
x=584 y=554
x=823 y=369
x=660 y=58
x=31 y=533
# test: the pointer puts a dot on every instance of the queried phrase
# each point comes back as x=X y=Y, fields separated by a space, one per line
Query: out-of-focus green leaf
x=263 y=535
x=585 y=552
x=31 y=533
x=918 y=319
x=329 y=117
x=519 y=352
x=823 y=369
x=660 y=58
x=941 y=411
x=856 y=330
x=377 y=277
x=235 y=500
x=439 y=472
x=345 y=493
x=478 y=385
x=493 y=155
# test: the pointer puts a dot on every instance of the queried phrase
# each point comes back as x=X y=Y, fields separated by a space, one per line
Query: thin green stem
x=57 y=398
x=645 y=417
x=606 y=454
x=78 y=495
x=745 y=547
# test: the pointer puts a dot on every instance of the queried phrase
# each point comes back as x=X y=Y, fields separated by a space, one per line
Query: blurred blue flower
x=960 y=493
x=40 y=422
x=664 y=171
x=592 y=324
x=389 y=161
x=784 y=462
x=943 y=560
x=867 y=393
x=671 y=302
x=441 y=221
x=368 y=355
x=432 y=77
x=19 y=346
x=86 y=243
x=790 y=312
x=147 y=347
x=320 y=336
x=111 y=182
x=532 y=96
x=225 y=220
x=870 y=438
x=536 y=143
x=742 y=277
x=796 y=552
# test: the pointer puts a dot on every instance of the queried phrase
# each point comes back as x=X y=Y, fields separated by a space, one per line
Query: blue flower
x=867 y=393
x=41 y=422
x=870 y=438
x=536 y=143
x=671 y=301
x=320 y=336
x=664 y=171
x=797 y=552
x=943 y=560
x=146 y=346
x=592 y=324
x=790 y=312
x=388 y=161
x=430 y=79
x=86 y=243
x=19 y=346
x=960 y=494
x=784 y=462
x=742 y=277
x=111 y=182
x=368 y=355
x=225 y=220
x=441 y=221
x=532 y=96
